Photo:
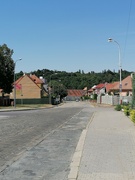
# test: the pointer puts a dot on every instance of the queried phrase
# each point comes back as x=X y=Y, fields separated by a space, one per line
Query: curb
x=76 y=160
x=25 y=109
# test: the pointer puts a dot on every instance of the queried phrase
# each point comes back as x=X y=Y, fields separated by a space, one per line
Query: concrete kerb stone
x=25 y=108
x=76 y=160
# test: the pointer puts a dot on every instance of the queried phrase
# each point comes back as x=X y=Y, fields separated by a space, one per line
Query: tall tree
x=6 y=68
x=58 y=88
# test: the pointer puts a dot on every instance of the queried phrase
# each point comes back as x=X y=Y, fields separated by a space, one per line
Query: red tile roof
x=126 y=84
x=110 y=86
x=91 y=90
x=34 y=78
x=75 y=92
x=99 y=86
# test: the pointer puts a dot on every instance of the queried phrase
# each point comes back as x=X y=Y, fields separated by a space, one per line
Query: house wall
x=28 y=89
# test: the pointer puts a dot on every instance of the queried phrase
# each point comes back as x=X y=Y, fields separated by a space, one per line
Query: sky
x=69 y=35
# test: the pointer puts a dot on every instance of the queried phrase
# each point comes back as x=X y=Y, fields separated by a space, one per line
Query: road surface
x=39 y=144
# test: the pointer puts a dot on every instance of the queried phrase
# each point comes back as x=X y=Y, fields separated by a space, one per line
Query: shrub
x=118 y=107
x=86 y=97
x=95 y=96
x=132 y=115
x=126 y=110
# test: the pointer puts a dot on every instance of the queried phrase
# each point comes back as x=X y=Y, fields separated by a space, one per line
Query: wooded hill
x=79 y=79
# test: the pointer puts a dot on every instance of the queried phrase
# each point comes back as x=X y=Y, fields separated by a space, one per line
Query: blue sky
x=69 y=35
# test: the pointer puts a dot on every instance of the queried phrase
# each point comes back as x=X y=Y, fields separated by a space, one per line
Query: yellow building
x=28 y=87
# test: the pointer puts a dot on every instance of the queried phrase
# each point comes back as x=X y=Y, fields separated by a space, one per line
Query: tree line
x=79 y=79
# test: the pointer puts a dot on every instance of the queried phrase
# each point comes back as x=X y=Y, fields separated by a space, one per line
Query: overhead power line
x=127 y=29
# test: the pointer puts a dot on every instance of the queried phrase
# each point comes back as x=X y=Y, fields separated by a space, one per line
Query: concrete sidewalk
x=109 y=148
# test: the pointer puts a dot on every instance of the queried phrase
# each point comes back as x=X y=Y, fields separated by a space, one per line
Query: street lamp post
x=14 y=83
x=120 y=85
x=50 y=93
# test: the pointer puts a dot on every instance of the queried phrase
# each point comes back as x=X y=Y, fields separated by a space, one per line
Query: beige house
x=126 y=86
x=28 y=87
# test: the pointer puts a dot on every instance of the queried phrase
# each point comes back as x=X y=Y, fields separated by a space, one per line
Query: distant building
x=75 y=94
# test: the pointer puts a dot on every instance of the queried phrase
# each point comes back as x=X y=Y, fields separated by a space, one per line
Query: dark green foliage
x=118 y=107
x=86 y=97
x=6 y=68
x=18 y=75
x=58 y=89
x=95 y=96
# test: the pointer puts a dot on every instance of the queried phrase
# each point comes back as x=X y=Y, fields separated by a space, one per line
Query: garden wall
x=113 y=100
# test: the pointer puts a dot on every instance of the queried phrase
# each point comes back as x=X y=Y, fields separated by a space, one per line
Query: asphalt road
x=39 y=144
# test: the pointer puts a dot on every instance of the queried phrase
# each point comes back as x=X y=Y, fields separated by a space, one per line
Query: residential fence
x=33 y=101
x=113 y=100
x=5 y=101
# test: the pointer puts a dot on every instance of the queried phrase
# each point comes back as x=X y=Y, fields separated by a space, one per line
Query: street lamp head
x=110 y=40
x=18 y=60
